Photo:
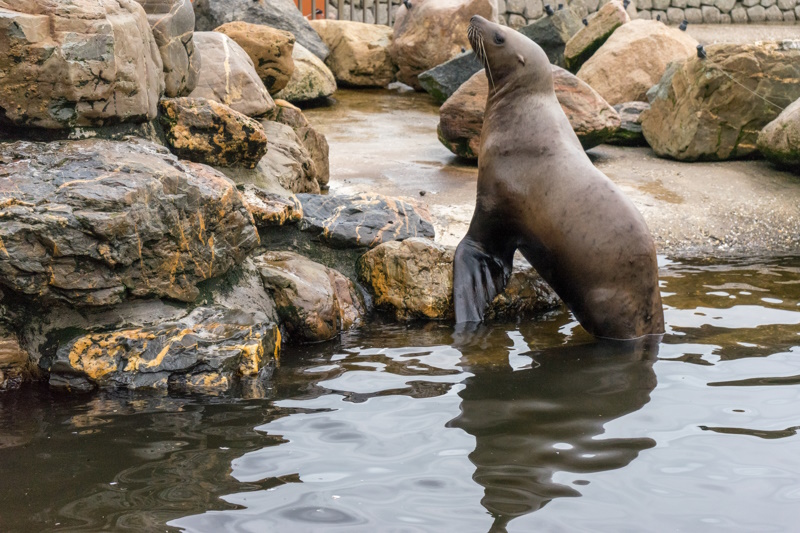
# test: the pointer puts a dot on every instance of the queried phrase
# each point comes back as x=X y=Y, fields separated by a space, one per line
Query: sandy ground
x=385 y=141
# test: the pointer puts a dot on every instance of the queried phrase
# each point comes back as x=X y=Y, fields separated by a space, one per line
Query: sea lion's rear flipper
x=477 y=278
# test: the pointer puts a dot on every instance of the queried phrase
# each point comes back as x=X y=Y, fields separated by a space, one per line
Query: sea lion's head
x=509 y=57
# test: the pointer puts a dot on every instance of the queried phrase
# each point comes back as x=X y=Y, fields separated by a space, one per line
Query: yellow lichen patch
x=136 y=362
x=88 y=357
x=278 y=341
x=250 y=357
x=209 y=383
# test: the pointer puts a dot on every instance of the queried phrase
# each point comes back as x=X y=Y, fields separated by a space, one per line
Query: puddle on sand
x=517 y=427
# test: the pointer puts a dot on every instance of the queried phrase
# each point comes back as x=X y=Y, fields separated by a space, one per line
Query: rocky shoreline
x=161 y=218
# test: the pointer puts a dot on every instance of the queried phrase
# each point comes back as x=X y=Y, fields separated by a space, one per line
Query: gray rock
x=789 y=16
x=710 y=15
x=643 y=15
x=661 y=5
x=94 y=222
x=315 y=303
x=630 y=130
x=756 y=14
x=774 y=14
x=786 y=5
x=442 y=81
x=228 y=76
x=553 y=33
x=675 y=15
x=701 y=111
x=768 y=3
x=644 y=5
x=280 y=14
x=779 y=141
x=172 y=22
x=750 y=3
x=311 y=79
x=725 y=6
x=83 y=63
x=209 y=350
x=680 y=4
x=739 y=15
x=693 y=3
x=287 y=166
x=694 y=15
x=362 y=221
x=725 y=18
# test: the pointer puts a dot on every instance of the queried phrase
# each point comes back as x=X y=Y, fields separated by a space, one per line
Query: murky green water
x=526 y=427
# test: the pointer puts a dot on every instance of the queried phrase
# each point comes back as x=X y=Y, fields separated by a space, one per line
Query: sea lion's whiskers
x=488 y=68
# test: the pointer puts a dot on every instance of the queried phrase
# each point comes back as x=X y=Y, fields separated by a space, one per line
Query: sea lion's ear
x=521 y=59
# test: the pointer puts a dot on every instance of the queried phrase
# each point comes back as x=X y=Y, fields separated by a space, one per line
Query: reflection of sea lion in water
x=538 y=192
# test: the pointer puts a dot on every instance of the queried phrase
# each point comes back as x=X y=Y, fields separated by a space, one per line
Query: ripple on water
x=520 y=427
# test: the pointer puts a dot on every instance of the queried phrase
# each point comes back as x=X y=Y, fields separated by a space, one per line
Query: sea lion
x=539 y=193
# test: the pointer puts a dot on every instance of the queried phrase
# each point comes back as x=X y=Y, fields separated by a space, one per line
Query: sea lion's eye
x=499 y=39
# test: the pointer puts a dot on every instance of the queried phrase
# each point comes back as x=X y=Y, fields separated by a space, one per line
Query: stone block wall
x=518 y=13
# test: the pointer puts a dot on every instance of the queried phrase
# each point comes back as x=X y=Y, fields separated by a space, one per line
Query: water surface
x=516 y=427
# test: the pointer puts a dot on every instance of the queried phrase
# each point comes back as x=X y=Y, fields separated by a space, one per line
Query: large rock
x=633 y=59
x=15 y=367
x=77 y=63
x=553 y=32
x=270 y=209
x=779 y=141
x=280 y=14
x=93 y=222
x=315 y=303
x=714 y=109
x=269 y=49
x=228 y=76
x=413 y=279
x=205 y=131
x=359 y=52
x=443 y=80
x=210 y=350
x=311 y=80
x=592 y=36
x=172 y=22
x=461 y=116
x=362 y=221
x=287 y=166
x=314 y=142
x=432 y=32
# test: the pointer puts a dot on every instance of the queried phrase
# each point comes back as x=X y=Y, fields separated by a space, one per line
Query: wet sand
x=385 y=141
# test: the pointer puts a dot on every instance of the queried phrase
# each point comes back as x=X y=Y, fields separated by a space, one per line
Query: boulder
x=359 y=52
x=172 y=22
x=315 y=303
x=287 y=166
x=77 y=63
x=461 y=116
x=445 y=79
x=630 y=129
x=714 y=109
x=268 y=48
x=362 y=221
x=205 y=131
x=93 y=222
x=209 y=351
x=228 y=76
x=15 y=367
x=633 y=59
x=589 y=38
x=779 y=141
x=432 y=32
x=413 y=279
x=314 y=142
x=279 y=14
x=311 y=79
x=270 y=209
x=553 y=32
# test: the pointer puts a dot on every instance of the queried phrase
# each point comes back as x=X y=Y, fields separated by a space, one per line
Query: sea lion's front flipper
x=477 y=278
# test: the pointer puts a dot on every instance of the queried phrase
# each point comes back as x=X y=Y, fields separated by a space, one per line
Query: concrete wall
x=517 y=13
